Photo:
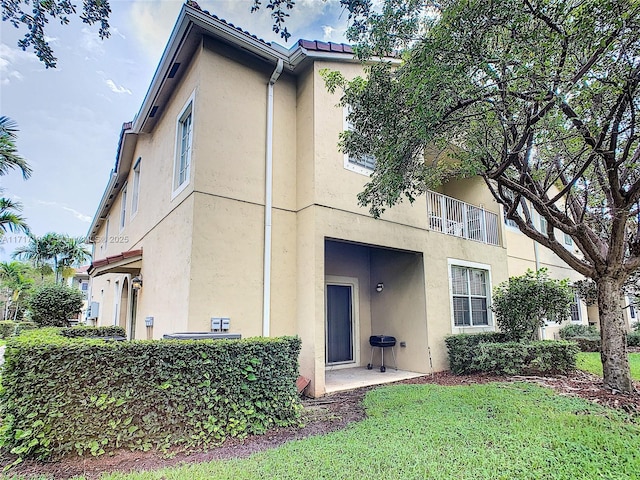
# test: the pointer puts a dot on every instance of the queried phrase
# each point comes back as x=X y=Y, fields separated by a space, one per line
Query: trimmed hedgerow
x=63 y=395
x=587 y=344
x=462 y=349
x=633 y=339
x=108 y=331
x=572 y=330
x=488 y=352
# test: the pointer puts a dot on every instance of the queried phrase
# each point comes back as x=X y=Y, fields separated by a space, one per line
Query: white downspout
x=266 y=314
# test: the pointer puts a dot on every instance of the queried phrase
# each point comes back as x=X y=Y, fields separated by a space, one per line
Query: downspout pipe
x=268 y=203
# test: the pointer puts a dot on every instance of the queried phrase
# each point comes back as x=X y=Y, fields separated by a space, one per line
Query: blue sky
x=70 y=117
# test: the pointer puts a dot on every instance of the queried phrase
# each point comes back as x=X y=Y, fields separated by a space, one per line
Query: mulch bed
x=321 y=415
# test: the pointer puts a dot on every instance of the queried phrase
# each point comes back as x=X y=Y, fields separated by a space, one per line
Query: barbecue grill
x=382 y=342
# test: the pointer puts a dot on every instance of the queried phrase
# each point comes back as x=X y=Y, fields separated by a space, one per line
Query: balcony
x=459 y=219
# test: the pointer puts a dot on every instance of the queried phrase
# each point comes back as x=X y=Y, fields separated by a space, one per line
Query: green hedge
x=10 y=328
x=572 y=330
x=633 y=339
x=587 y=344
x=62 y=395
x=487 y=352
x=109 y=331
x=7 y=329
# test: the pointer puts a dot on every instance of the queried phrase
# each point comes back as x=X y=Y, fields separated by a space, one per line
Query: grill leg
x=382 y=367
x=370 y=366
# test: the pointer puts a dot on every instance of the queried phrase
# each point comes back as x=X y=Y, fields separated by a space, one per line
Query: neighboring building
x=81 y=281
x=230 y=199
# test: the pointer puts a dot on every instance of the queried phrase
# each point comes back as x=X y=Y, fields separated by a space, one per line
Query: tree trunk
x=613 y=334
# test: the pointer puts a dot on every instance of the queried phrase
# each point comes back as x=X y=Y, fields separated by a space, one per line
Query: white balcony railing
x=453 y=217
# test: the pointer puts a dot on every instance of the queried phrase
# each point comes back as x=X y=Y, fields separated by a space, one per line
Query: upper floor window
x=136 y=187
x=470 y=296
x=364 y=164
x=568 y=241
x=123 y=207
x=182 y=167
x=106 y=235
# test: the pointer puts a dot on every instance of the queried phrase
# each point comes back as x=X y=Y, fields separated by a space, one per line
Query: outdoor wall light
x=379 y=287
x=136 y=283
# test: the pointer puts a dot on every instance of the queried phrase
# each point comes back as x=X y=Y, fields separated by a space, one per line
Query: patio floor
x=342 y=379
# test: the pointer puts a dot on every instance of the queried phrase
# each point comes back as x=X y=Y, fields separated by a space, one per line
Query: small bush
x=22 y=326
x=54 y=305
x=488 y=352
x=108 y=331
x=587 y=344
x=462 y=349
x=534 y=358
x=577 y=330
x=143 y=395
x=7 y=329
x=633 y=339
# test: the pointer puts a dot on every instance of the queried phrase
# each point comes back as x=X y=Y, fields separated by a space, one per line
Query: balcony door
x=341 y=321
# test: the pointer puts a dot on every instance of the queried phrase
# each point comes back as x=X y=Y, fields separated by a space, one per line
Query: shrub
x=22 y=326
x=522 y=304
x=488 y=352
x=633 y=339
x=108 y=331
x=517 y=358
x=54 y=305
x=7 y=328
x=587 y=344
x=572 y=330
x=143 y=394
x=462 y=349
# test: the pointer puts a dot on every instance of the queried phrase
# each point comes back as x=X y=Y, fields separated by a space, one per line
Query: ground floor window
x=575 y=310
x=470 y=296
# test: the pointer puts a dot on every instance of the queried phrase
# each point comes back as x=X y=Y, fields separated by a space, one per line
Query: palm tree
x=72 y=253
x=38 y=252
x=13 y=277
x=9 y=158
x=10 y=219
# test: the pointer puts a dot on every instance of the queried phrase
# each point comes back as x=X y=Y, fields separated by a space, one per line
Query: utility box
x=148 y=321
x=225 y=324
x=93 y=310
x=216 y=324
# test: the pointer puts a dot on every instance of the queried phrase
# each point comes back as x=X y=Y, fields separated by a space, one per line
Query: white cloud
x=116 y=88
x=10 y=61
x=79 y=215
x=91 y=43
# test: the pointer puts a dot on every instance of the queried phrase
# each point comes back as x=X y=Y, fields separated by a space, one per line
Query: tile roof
x=319 y=46
x=115 y=258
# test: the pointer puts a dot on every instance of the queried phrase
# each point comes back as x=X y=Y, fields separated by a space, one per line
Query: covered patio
x=339 y=380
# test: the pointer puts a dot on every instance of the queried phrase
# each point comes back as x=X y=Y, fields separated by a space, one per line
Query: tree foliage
x=9 y=157
x=538 y=97
x=523 y=304
x=54 y=305
x=34 y=15
x=53 y=252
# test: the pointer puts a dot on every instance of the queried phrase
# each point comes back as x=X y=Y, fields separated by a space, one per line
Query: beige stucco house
x=230 y=200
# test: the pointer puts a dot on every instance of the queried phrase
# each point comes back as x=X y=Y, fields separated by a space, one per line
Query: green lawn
x=493 y=431
x=590 y=362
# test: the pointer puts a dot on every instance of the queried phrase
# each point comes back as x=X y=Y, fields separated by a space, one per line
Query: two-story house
x=231 y=200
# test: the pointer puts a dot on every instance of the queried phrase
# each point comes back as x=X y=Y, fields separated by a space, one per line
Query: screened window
x=575 y=310
x=469 y=288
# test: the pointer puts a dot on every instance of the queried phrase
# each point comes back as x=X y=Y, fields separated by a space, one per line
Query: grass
x=493 y=431
x=590 y=362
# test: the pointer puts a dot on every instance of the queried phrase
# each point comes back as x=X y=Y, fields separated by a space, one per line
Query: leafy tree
x=523 y=304
x=53 y=252
x=9 y=157
x=14 y=278
x=538 y=97
x=54 y=305
x=35 y=14
x=10 y=218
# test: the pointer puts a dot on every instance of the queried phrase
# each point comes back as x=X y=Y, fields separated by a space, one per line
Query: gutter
x=266 y=314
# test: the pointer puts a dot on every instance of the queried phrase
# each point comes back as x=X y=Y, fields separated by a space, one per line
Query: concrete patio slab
x=339 y=380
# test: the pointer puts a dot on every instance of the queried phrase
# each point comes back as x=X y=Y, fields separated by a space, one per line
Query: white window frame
x=578 y=305
x=453 y=262
x=348 y=164
x=135 y=194
x=186 y=112
x=123 y=207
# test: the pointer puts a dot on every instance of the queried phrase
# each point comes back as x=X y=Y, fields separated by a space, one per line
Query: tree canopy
x=34 y=15
x=538 y=97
